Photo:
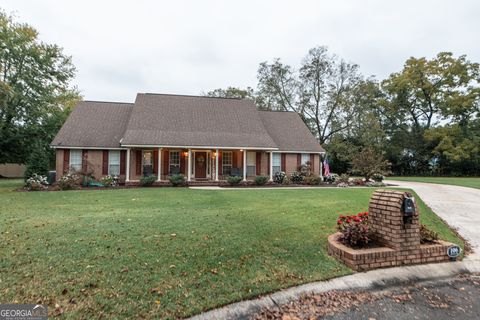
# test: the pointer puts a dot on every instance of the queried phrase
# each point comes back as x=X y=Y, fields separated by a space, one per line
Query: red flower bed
x=354 y=229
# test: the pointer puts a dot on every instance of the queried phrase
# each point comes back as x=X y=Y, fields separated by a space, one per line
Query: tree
x=37 y=162
x=232 y=92
x=369 y=162
x=321 y=91
x=423 y=95
x=35 y=90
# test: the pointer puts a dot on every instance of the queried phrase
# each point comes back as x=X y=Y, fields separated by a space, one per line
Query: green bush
x=36 y=183
x=234 y=180
x=147 y=181
x=261 y=180
x=177 y=180
x=377 y=177
x=296 y=177
x=279 y=176
x=313 y=180
x=69 y=181
x=109 y=181
x=344 y=178
x=37 y=164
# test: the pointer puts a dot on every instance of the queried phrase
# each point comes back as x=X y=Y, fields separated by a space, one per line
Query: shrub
x=70 y=180
x=313 y=180
x=36 y=183
x=37 y=163
x=306 y=169
x=426 y=235
x=344 y=178
x=343 y=185
x=109 y=181
x=375 y=184
x=279 y=176
x=331 y=178
x=354 y=229
x=287 y=180
x=260 y=180
x=177 y=180
x=377 y=177
x=147 y=181
x=296 y=177
x=368 y=162
x=234 y=180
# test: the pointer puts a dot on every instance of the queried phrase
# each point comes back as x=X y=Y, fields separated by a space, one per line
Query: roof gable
x=174 y=120
x=289 y=131
x=94 y=124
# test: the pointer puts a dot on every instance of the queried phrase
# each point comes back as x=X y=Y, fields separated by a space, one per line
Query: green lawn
x=167 y=253
x=473 y=182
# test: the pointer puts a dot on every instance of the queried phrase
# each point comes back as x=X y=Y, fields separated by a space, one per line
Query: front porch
x=199 y=166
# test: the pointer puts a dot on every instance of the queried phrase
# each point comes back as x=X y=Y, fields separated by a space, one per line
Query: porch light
x=214 y=154
x=241 y=150
x=185 y=154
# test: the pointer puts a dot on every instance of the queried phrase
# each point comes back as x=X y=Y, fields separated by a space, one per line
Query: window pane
x=305 y=158
x=276 y=160
x=76 y=159
x=114 y=169
x=251 y=170
x=275 y=169
x=174 y=162
x=227 y=158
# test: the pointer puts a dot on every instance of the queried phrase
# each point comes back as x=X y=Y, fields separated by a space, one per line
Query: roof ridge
x=189 y=95
x=111 y=102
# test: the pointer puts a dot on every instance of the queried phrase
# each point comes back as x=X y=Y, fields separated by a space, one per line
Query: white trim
x=216 y=165
x=88 y=148
x=244 y=165
x=70 y=160
x=189 y=165
x=271 y=166
x=314 y=152
x=159 y=165
x=196 y=147
x=127 y=173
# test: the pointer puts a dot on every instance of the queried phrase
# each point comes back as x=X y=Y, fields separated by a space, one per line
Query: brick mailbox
x=395 y=227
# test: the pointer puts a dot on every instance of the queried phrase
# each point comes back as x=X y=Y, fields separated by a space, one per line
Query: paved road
x=441 y=300
x=458 y=206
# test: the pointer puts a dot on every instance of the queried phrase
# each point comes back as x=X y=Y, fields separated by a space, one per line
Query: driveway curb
x=378 y=279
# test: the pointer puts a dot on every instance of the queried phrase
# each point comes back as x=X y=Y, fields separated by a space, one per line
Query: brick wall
x=400 y=241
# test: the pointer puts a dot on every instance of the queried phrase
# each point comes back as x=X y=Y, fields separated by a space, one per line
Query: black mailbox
x=408 y=209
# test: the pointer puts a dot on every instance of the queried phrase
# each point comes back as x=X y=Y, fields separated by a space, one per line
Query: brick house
x=204 y=138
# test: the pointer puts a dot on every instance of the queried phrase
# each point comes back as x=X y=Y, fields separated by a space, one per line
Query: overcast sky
x=124 y=47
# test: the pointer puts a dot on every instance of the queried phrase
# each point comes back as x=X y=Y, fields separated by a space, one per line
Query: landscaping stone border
x=373 y=258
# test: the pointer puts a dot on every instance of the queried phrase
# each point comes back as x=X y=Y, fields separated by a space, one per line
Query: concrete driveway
x=458 y=206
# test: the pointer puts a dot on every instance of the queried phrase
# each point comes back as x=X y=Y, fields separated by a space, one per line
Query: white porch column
x=216 y=165
x=271 y=166
x=189 y=167
x=127 y=175
x=159 y=165
x=321 y=166
x=244 y=165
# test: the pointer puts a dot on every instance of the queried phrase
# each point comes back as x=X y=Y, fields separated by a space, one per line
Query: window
x=227 y=162
x=277 y=163
x=76 y=160
x=251 y=163
x=174 y=162
x=114 y=162
x=305 y=158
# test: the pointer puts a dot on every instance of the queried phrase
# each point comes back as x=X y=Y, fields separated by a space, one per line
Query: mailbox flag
x=326 y=167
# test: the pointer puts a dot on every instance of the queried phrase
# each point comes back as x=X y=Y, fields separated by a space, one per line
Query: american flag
x=326 y=167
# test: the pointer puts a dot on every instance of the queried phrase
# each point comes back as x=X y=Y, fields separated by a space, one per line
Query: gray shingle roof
x=186 y=121
x=94 y=124
x=174 y=120
x=289 y=131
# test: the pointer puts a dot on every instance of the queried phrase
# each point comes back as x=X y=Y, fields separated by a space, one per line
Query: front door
x=200 y=165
